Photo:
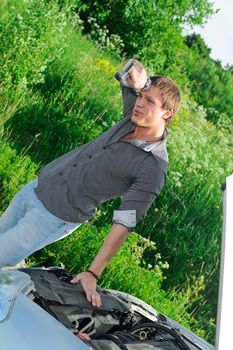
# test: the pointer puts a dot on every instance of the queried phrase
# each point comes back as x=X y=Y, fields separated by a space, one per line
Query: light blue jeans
x=27 y=226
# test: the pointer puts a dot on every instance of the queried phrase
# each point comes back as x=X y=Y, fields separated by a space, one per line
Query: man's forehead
x=154 y=92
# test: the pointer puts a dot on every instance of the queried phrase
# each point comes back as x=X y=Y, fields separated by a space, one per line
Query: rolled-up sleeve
x=139 y=196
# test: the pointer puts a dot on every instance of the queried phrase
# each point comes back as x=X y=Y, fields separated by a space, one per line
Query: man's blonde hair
x=170 y=93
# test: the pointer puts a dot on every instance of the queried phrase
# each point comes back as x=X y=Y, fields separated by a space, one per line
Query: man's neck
x=147 y=134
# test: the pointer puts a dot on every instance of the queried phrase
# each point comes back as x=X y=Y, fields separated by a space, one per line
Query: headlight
x=12 y=283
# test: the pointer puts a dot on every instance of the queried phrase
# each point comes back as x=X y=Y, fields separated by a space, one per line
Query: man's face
x=147 y=111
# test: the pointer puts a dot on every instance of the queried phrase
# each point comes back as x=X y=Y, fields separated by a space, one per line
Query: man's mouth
x=136 y=112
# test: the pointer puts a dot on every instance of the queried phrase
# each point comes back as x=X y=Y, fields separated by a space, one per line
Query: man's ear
x=167 y=115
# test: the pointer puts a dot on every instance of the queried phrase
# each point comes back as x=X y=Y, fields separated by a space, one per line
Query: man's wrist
x=147 y=85
x=92 y=273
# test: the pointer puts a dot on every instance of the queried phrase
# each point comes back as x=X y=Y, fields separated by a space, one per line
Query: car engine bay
x=121 y=322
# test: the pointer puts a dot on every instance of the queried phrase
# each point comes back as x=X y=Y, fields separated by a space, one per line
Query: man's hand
x=88 y=282
x=114 y=240
x=83 y=336
x=137 y=76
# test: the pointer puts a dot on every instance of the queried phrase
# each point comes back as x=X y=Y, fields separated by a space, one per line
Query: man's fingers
x=89 y=288
x=75 y=280
x=83 y=336
x=88 y=294
x=139 y=68
x=98 y=300
x=95 y=299
x=93 y=296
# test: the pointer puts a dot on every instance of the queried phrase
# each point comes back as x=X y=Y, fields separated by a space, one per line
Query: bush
x=33 y=35
x=149 y=30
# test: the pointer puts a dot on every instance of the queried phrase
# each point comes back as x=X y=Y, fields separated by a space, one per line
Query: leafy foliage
x=211 y=85
x=33 y=34
x=150 y=30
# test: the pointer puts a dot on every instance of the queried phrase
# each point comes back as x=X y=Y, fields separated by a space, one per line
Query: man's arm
x=136 y=81
x=114 y=240
x=119 y=233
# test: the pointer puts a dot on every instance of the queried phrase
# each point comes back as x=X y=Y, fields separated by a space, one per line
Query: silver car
x=41 y=309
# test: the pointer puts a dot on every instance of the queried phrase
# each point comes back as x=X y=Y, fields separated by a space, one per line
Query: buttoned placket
x=113 y=141
x=145 y=146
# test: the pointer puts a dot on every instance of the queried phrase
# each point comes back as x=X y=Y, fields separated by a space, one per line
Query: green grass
x=15 y=171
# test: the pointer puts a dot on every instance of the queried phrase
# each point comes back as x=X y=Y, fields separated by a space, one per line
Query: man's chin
x=135 y=120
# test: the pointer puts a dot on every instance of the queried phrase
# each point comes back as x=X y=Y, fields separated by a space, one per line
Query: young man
x=129 y=160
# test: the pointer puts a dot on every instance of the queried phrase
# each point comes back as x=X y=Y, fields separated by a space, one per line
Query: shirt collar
x=150 y=146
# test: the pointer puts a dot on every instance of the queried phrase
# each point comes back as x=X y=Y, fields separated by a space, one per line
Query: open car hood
x=48 y=312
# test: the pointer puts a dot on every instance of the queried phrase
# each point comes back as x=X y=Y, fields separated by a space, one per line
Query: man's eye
x=151 y=101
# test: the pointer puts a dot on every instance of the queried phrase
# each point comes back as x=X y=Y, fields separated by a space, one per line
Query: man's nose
x=139 y=102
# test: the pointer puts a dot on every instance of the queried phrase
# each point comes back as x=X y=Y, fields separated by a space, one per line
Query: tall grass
x=15 y=171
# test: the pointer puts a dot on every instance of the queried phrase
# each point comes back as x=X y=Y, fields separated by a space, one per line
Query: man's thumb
x=76 y=279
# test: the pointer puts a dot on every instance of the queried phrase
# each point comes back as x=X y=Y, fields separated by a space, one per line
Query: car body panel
x=29 y=327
